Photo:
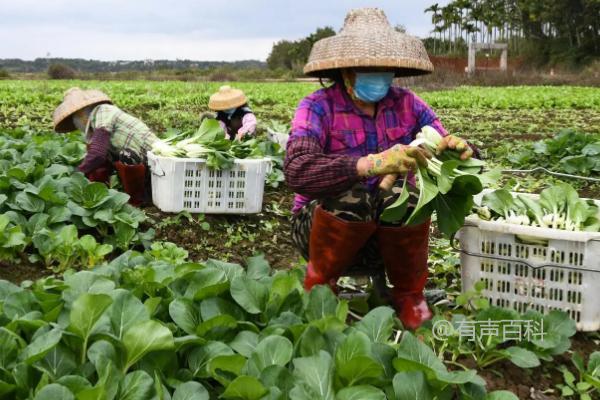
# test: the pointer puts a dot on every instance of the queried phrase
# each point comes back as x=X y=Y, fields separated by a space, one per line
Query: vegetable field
x=101 y=300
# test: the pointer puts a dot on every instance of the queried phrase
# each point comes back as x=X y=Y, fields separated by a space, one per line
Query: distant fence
x=458 y=64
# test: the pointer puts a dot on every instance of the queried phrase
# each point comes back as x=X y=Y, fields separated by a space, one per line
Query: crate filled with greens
x=207 y=173
x=538 y=252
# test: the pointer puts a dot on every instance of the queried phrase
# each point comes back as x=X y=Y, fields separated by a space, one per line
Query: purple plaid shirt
x=337 y=127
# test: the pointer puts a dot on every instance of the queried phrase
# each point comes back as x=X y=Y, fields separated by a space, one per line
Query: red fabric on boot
x=133 y=178
x=333 y=246
x=101 y=175
x=404 y=250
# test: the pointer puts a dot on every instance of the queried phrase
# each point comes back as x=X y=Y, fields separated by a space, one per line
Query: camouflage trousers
x=356 y=204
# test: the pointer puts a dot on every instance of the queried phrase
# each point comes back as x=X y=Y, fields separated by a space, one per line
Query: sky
x=225 y=30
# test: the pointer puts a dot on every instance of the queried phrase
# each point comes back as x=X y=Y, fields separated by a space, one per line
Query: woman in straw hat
x=233 y=113
x=114 y=138
x=344 y=139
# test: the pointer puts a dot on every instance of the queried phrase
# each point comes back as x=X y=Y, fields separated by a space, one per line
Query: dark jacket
x=233 y=123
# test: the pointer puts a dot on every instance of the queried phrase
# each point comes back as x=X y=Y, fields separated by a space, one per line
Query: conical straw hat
x=75 y=99
x=226 y=98
x=368 y=40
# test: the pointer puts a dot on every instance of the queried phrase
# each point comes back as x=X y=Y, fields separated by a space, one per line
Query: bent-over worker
x=114 y=139
x=233 y=113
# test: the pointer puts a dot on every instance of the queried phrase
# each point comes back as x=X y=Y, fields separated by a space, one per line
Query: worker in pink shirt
x=344 y=139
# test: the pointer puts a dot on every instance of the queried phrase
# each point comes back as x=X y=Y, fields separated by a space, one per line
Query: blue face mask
x=372 y=86
x=230 y=111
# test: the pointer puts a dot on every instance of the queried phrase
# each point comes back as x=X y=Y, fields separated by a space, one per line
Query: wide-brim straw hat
x=226 y=98
x=75 y=99
x=368 y=40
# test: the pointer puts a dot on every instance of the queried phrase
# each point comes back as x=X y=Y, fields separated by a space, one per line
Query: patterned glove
x=397 y=160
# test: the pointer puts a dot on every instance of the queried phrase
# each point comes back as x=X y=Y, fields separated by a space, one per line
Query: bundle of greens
x=210 y=143
x=446 y=186
x=558 y=207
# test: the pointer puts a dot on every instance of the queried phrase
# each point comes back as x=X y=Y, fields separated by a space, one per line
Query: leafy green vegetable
x=569 y=151
x=558 y=207
x=446 y=187
x=12 y=239
x=107 y=341
x=210 y=143
x=48 y=204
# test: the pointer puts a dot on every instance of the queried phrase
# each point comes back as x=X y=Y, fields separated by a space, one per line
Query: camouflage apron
x=356 y=204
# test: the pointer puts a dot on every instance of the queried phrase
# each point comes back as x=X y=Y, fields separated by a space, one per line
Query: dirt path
x=234 y=237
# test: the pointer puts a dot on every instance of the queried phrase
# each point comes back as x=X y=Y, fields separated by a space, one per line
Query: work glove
x=455 y=143
x=398 y=159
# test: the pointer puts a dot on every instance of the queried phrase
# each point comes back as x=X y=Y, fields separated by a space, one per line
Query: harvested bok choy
x=210 y=143
x=446 y=186
x=558 y=207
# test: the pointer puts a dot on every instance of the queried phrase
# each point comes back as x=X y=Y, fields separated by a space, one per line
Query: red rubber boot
x=101 y=174
x=133 y=178
x=404 y=252
x=333 y=246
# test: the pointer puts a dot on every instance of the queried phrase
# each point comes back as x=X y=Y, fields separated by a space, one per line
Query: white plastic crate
x=563 y=274
x=180 y=184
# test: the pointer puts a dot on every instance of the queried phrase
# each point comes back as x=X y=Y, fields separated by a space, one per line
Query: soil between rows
x=535 y=383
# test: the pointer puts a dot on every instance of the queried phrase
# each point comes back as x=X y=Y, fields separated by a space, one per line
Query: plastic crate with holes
x=561 y=270
x=187 y=184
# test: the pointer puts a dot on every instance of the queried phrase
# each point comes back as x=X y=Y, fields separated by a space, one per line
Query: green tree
x=548 y=31
x=293 y=55
x=280 y=55
x=61 y=71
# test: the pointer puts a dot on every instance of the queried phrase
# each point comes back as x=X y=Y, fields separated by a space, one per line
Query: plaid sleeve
x=310 y=172
x=104 y=117
x=310 y=120
x=426 y=116
x=97 y=151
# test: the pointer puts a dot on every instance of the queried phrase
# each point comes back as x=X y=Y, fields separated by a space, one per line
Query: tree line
x=84 y=65
x=292 y=55
x=543 y=31
x=547 y=30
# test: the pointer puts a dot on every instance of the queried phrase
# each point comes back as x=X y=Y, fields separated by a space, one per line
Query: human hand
x=455 y=143
x=399 y=159
x=240 y=135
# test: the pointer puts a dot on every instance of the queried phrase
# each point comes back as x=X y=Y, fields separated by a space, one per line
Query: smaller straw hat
x=226 y=98
x=368 y=40
x=75 y=99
